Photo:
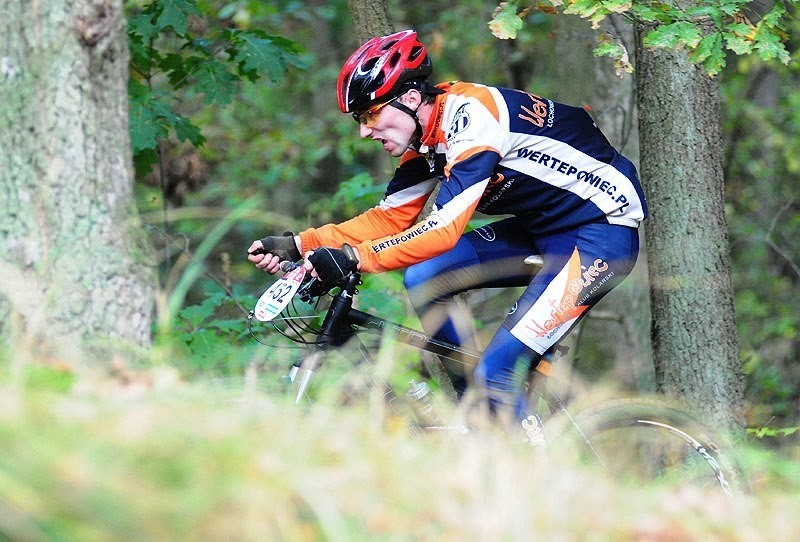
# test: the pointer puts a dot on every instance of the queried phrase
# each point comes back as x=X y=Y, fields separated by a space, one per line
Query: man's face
x=393 y=128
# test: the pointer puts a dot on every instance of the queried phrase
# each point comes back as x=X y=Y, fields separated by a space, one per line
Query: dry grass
x=173 y=461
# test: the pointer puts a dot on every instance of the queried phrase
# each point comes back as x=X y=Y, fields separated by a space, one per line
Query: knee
x=417 y=274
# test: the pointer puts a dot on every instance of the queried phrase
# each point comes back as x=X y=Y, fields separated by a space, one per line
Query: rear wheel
x=641 y=441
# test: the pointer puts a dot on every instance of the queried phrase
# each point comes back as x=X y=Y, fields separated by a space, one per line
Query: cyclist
x=573 y=199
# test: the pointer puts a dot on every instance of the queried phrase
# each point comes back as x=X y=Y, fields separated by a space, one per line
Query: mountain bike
x=634 y=439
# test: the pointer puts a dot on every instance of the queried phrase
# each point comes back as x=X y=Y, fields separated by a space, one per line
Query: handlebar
x=313 y=288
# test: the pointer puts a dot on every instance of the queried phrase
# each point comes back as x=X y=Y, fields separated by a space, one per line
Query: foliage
x=216 y=337
x=705 y=28
x=171 y=42
x=762 y=125
x=286 y=146
x=763 y=432
x=506 y=21
x=352 y=196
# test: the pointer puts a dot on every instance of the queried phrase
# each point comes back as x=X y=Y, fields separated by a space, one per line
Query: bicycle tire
x=646 y=441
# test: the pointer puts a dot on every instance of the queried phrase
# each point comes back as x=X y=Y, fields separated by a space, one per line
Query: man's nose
x=364 y=131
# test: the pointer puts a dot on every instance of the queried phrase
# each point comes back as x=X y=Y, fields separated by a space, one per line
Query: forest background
x=225 y=156
x=282 y=145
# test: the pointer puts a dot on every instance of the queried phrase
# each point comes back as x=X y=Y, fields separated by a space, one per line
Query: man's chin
x=394 y=150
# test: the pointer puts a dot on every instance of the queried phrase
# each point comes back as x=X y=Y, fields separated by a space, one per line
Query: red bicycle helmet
x=376 y=72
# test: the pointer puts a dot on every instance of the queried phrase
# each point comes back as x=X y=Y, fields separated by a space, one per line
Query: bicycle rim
x=638 y=442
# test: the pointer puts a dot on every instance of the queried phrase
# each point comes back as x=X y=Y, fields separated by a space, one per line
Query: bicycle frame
x=342 y=321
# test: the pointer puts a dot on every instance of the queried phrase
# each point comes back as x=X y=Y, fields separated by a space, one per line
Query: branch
x=774 y=246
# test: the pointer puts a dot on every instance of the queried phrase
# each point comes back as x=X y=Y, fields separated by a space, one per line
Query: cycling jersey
x=497 y=151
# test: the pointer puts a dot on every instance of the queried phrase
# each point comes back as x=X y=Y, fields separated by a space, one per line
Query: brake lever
x=310 y=290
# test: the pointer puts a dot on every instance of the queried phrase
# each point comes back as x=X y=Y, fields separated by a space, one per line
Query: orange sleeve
x=406 y=195
x=375 y=223
x=437 y=233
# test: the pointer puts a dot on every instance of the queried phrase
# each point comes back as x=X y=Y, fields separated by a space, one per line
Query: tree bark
x=370 y=19
x=75 y=267
x=612 y=103
x=693 y=320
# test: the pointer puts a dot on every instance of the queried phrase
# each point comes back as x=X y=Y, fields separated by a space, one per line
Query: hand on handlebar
x=331 y=265
x=267 y=253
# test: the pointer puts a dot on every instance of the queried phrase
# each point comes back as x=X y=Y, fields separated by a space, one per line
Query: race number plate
x=277 y=296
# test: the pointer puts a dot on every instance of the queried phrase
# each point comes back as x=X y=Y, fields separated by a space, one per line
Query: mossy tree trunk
x=693 y=320
x=75 y=269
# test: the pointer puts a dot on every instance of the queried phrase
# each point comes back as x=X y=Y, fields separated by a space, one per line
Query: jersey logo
x=539 y=112
x=487 y=233
x=461 y=122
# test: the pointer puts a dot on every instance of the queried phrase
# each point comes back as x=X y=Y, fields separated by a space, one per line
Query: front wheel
x=642 y=441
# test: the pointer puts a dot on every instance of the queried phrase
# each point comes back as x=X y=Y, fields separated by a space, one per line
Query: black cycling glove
x=282 y=246
x=332 y=265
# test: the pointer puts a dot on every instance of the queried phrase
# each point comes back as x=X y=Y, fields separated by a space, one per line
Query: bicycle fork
x=538 y=386
x=301 y=372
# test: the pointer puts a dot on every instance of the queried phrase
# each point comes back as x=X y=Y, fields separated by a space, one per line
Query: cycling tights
x=581 y=265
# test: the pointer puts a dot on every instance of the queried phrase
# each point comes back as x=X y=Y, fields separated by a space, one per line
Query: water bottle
x=421 y=396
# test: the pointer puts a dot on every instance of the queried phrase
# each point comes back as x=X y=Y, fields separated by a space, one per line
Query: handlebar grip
x=287 y=266
x=256 y=252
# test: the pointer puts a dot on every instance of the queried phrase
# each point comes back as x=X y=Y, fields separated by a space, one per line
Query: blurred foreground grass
x=163 y=460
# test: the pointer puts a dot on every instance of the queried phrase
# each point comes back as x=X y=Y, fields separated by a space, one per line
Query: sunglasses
x=369 y=117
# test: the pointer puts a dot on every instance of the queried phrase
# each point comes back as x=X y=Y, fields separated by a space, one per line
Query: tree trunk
x=76 y=273
x=693 y=321
x=370 y=19
x=625 y=313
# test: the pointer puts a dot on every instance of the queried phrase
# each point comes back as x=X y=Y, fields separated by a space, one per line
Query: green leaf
x=215 y=82
x=769 y=45
x=739 y=28
x=617 y=6
x=228 y=11
x=185 y=130
x=142 y=25
x=175 y=13
x=145 y=128
x=731 y=8
x=260 y=55
x=672 y=35
x=228 y=326
x=143 y=161
x=506 y=23
x=774 y=16
x=648 y=14
x=608 y=48
x=701 y=11
x=738 y=44
x=196 y=314
x=709 y=47
x=177 y=68
x=709 y=53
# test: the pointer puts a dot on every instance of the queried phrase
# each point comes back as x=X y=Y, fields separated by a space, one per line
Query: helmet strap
x=417 y=141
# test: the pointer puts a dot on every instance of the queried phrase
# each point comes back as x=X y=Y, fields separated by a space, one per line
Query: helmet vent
x=369 y=65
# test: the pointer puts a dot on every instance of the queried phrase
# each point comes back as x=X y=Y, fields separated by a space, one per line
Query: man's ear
x=411 y=99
